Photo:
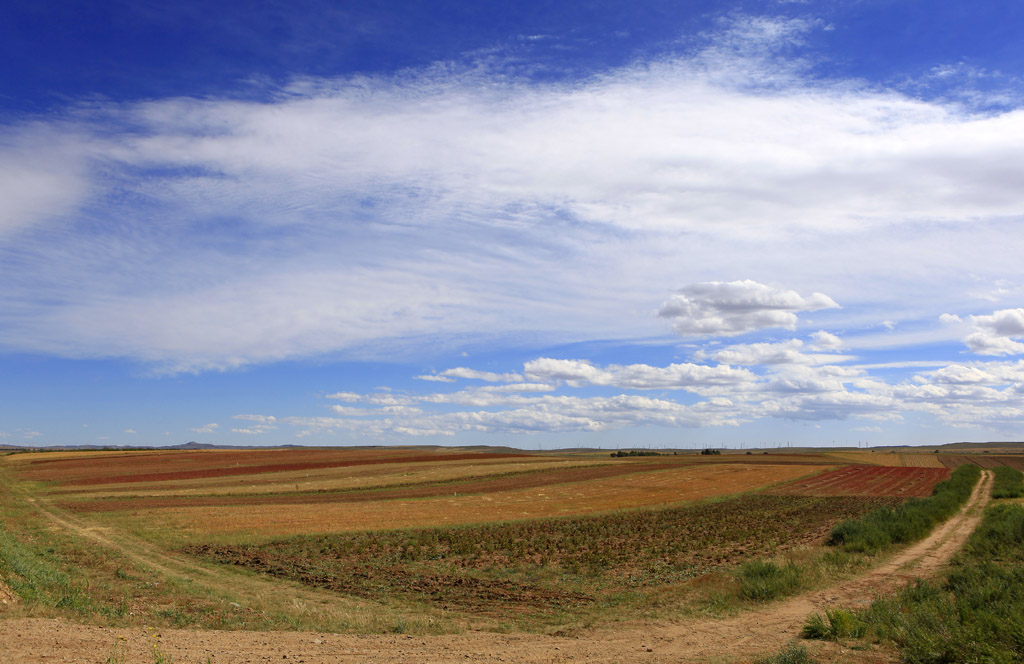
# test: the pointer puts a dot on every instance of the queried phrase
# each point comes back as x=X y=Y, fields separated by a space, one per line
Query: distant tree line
x=634 y=453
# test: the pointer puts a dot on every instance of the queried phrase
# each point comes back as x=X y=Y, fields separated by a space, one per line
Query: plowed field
x=908 y=459
x=648 y=485
x=521 y=567
x=1015 y=461
x=188 y=466
x=868 y=481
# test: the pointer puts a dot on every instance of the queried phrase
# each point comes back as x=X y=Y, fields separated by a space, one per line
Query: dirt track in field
x=738 y=639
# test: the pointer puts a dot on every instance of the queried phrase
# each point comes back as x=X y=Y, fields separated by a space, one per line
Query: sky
x=544 y=225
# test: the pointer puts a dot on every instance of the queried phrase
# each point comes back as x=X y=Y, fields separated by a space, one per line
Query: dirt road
x=736 y=639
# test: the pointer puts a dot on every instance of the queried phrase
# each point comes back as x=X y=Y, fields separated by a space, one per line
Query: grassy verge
x=1009 y=483
x=852 y=539
x=55 y=572
x=975 y=615
x=909 y=522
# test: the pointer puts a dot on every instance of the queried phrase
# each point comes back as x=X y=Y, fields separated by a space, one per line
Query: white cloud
x=785 y=352
x=977 y=394
x=130 y=431
x=347 y=215
x=344 y=396
x=718 y=308
x=994 y=333
x=822 y=340
x=207 y=428
x=448 y=375
x=634 y=376
x=546 y=369
x=261 y=424
x=259 y=419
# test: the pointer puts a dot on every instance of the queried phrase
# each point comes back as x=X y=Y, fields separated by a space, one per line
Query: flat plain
x=422 y=540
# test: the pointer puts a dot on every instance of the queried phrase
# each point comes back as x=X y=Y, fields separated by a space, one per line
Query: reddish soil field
x=478 y=485
x=868 y=481
x=96 y=470
x=1015 y=461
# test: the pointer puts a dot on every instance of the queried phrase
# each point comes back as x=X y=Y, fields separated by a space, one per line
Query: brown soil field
x=366 y=477
x=1015 y=461
x=868 y=481
x=467 y=486
x=906 y=459
x=639 y=489
x=71 y=474
x=700 y=639
x=506 y=569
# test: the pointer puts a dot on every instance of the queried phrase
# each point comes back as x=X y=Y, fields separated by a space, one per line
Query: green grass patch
x=762 y=580
x=30 y=572
x=909 y=522
x=835 y=625
x=976 y=614
x=1009 y=483
x=791 y=654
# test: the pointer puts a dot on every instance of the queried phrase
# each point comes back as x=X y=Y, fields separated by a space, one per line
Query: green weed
x=762 y=580
x=791 y=654
x=835 y=625
x=1009 y=483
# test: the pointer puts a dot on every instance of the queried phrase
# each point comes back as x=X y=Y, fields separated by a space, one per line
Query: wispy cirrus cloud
x=448 y=202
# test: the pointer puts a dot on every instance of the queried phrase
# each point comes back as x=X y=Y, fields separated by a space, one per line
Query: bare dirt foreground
x=736 y=639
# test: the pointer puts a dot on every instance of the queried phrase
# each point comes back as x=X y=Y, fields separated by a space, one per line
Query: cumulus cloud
x=207 y=428
x=634 y=376
x=994 y=335
x=822 y=340
x=986 y=394
x=718 y=308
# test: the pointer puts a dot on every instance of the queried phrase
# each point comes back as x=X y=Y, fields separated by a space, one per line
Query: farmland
x=868 y=481
x=1015 y=461
x=419 y=539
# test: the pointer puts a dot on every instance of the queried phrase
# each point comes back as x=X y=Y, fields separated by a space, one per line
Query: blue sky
x=536 y=224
